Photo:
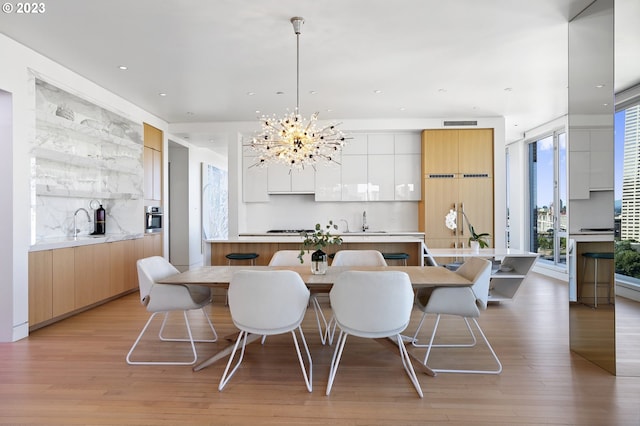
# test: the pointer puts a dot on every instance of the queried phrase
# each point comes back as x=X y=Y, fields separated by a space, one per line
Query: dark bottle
x=100 y=220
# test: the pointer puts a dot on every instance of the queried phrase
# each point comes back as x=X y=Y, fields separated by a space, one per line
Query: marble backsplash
x=83 y=152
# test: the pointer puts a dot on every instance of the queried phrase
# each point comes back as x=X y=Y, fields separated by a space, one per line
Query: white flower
x=450 y=220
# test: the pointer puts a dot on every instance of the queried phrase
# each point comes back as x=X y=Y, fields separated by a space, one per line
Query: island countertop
x=347 y=237
x=266 y=244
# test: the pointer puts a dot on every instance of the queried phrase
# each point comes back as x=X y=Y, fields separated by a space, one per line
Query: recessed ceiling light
x=123 y=67
x=599 y=86
x=377 y=92
x=313 y=92
x=442 y=90
x=402 y=108
x=190 y=113
x=251 y=93
x=508 y=89
x=162 y=94
x=329 y=110
x=257 y=111
x=279 y=93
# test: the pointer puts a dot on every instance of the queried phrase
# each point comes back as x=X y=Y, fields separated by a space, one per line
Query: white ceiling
x=430 y=58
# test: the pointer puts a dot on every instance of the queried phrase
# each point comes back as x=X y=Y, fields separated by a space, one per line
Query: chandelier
x=292 y=139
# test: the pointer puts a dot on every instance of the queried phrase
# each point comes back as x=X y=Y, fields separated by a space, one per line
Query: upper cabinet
x=370 y=167
x=373 y=167
x=152 y=163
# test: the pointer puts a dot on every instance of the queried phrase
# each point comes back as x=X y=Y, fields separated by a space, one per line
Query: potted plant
x=317 y=240
x=476 y=241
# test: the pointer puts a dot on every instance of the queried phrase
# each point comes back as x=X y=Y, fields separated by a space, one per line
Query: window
x=548 y=198
x=627 y=194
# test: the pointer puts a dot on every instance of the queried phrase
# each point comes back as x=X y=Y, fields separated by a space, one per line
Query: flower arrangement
x=319 y=238
x=451 y=223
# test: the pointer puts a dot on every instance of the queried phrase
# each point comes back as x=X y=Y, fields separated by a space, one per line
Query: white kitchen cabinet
x=380 y=143
x=282 y=180
x=357 y=145
x=354 y=178
x=254 y=181
x=589 y=164
x=328 y=185
x=407 y=177
x=380 y=177
x=407 y=143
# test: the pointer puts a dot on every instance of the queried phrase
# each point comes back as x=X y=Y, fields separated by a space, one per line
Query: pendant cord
x=298 y=73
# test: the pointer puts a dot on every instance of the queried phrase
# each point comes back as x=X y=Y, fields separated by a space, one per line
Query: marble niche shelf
x=76 y=160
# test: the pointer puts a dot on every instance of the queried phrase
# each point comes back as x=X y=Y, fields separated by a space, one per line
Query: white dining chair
x=165 y=298
x=465 y=302
x=358 y=258
x=267 y=303
x=383 y=310
x=290 y=258
x=353 y=258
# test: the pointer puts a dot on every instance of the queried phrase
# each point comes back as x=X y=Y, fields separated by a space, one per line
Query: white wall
x=17 y=64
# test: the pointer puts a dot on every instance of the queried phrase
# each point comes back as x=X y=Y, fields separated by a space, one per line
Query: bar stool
x=397 y=256
x=597 y=256
x=242 y=256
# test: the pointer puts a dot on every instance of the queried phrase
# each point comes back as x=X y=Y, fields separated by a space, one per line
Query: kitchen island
x=266 y=244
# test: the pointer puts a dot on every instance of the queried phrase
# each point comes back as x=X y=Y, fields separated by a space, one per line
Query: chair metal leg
x=415 y=343
x=213 y=330
x=242 y=336
x=320 y=319
x=193 y=347
x=408 y=367
x=308 y=378
x=335 y=360
x=495 y=357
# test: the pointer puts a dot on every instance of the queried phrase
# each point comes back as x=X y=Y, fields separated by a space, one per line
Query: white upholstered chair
x=383 y=309
x=353 y=258
x=290 y=258
x=267 y=303
x=358 y=258
x=165 y=298
x=465 y=302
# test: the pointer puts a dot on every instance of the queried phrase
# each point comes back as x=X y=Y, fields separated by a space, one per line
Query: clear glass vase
x=319 y=262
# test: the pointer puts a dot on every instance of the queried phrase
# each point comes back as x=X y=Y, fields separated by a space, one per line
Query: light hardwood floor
x=74 y=372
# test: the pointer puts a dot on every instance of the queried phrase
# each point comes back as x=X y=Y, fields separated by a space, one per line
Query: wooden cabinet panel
x=440 y=151
x=152 y=174
x=458 y=169
x=475 y=151
x=40 y=286
x=152 y=137
x=91 y=274
x=152 y=245
x=64 y=284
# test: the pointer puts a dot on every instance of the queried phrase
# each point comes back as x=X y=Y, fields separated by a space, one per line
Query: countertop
x=81 y=240
x=348 y=237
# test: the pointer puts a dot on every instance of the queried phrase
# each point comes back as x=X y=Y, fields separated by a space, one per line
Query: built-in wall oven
x=152 y=219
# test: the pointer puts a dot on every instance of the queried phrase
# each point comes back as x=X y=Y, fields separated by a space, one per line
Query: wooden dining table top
x=220 y=276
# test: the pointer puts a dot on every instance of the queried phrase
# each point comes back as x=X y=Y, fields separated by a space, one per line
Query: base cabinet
x=69 y=280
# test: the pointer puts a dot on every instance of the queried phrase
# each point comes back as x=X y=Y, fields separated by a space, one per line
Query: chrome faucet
x=364 y=221
x=75 y=221
x=346 y=224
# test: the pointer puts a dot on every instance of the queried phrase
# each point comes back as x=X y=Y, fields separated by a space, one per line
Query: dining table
x=220 y=276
